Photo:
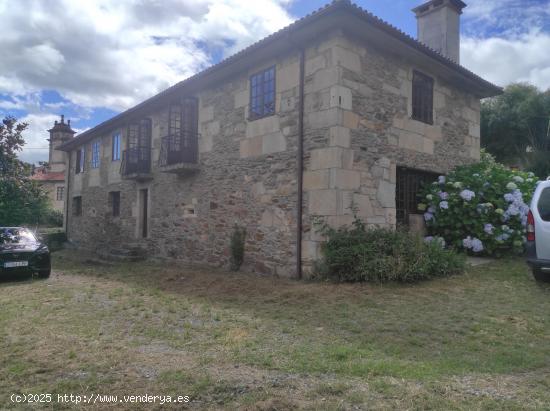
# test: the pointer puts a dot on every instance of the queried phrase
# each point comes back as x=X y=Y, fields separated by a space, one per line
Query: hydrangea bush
x=481 y=208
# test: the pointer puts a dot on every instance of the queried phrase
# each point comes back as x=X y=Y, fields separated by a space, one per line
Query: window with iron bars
x=409 y=184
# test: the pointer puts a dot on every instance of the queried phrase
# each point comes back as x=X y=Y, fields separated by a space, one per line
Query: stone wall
x=357 y=130
x=51 y=189
x=368 y=132
x=247 y=176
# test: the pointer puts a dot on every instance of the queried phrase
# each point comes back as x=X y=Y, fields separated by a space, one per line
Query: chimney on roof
x=438 y=24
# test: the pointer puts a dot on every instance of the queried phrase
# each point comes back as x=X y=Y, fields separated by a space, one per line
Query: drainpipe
x=300 y=168
x=67 y=194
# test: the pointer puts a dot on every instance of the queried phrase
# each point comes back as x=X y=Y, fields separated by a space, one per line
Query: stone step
x=122 y=254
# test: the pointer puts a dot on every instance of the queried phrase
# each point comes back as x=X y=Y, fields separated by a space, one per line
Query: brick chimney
x=438 y=23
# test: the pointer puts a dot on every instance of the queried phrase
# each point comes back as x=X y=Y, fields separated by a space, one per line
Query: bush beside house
x=358 y=253
x=481 y=208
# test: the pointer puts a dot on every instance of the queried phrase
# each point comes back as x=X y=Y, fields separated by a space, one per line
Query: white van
x=538 y=233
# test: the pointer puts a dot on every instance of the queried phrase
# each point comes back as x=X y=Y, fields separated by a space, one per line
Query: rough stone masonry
x=357 y=130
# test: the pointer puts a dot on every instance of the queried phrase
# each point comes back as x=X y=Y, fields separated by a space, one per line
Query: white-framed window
x=96 y=147
x=116 y=147
x=80 y=160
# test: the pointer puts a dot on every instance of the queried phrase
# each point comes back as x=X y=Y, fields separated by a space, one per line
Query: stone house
x=338 y=108
x=52 y=176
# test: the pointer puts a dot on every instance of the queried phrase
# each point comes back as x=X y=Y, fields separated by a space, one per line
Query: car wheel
x=541 y=276
x=44 y=274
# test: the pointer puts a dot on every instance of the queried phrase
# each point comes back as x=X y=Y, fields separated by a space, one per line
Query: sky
x=90 y=60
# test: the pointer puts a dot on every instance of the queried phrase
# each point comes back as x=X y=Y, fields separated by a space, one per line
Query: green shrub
x=539 y=163
x=51 y=218
x=237 y=247
x=356 y=253
x=481 y=208
x=54 y=240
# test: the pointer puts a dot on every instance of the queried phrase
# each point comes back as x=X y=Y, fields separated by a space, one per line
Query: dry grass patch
x=242 y=341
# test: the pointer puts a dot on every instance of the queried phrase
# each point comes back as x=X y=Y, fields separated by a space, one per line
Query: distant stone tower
x=59 y=134
x=52 y=177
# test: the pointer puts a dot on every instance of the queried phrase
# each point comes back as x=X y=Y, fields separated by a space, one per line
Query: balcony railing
x=136 y=162
x=179 y=151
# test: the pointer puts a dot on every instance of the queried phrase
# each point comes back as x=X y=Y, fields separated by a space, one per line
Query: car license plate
x=12 y=264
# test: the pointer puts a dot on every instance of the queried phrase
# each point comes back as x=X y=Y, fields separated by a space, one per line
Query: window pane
x=16 y=236
x=95 y=154
x=262 y=93
x=78 y=161
x=116 y=147
x=544 y=204
x=422 y=98
x=409 y=183
x=77 y=206
x=114 y=202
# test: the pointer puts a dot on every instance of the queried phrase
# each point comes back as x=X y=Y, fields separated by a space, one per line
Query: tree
x=11 y=141
x=22 y=201
x=517 y=123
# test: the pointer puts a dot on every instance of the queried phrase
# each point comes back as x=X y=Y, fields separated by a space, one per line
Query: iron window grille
x=60 y=193
x=262 y=94
x=137 y=157
x=181 y=143
x=409 y=184
x=422 y=97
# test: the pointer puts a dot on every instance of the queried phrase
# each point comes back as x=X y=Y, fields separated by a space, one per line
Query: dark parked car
x=22 y=252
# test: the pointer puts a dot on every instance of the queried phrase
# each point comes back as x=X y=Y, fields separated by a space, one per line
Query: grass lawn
x=241 y=341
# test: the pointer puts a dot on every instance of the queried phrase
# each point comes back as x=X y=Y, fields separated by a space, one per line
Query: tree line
x=515 y=128
x=22 y=200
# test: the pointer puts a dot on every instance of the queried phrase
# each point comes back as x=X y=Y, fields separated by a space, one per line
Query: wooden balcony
x=179 y=153
x=136 y=164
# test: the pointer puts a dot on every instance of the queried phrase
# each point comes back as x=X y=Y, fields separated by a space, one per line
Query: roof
x=53 y=176
x=61 y=126
x=291 y=36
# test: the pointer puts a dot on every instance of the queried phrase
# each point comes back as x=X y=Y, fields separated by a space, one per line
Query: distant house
x=52 y=176
x=338 y=108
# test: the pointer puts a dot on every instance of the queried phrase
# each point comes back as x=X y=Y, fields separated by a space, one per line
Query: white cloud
x=30 y=102
x=36 y=147
x=507 y=41
x=506 y=17
x=113 y=54
x=505 y=60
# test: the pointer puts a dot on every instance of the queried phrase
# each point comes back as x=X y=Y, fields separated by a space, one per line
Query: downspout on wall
x=67 y=194
x=300 y=168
